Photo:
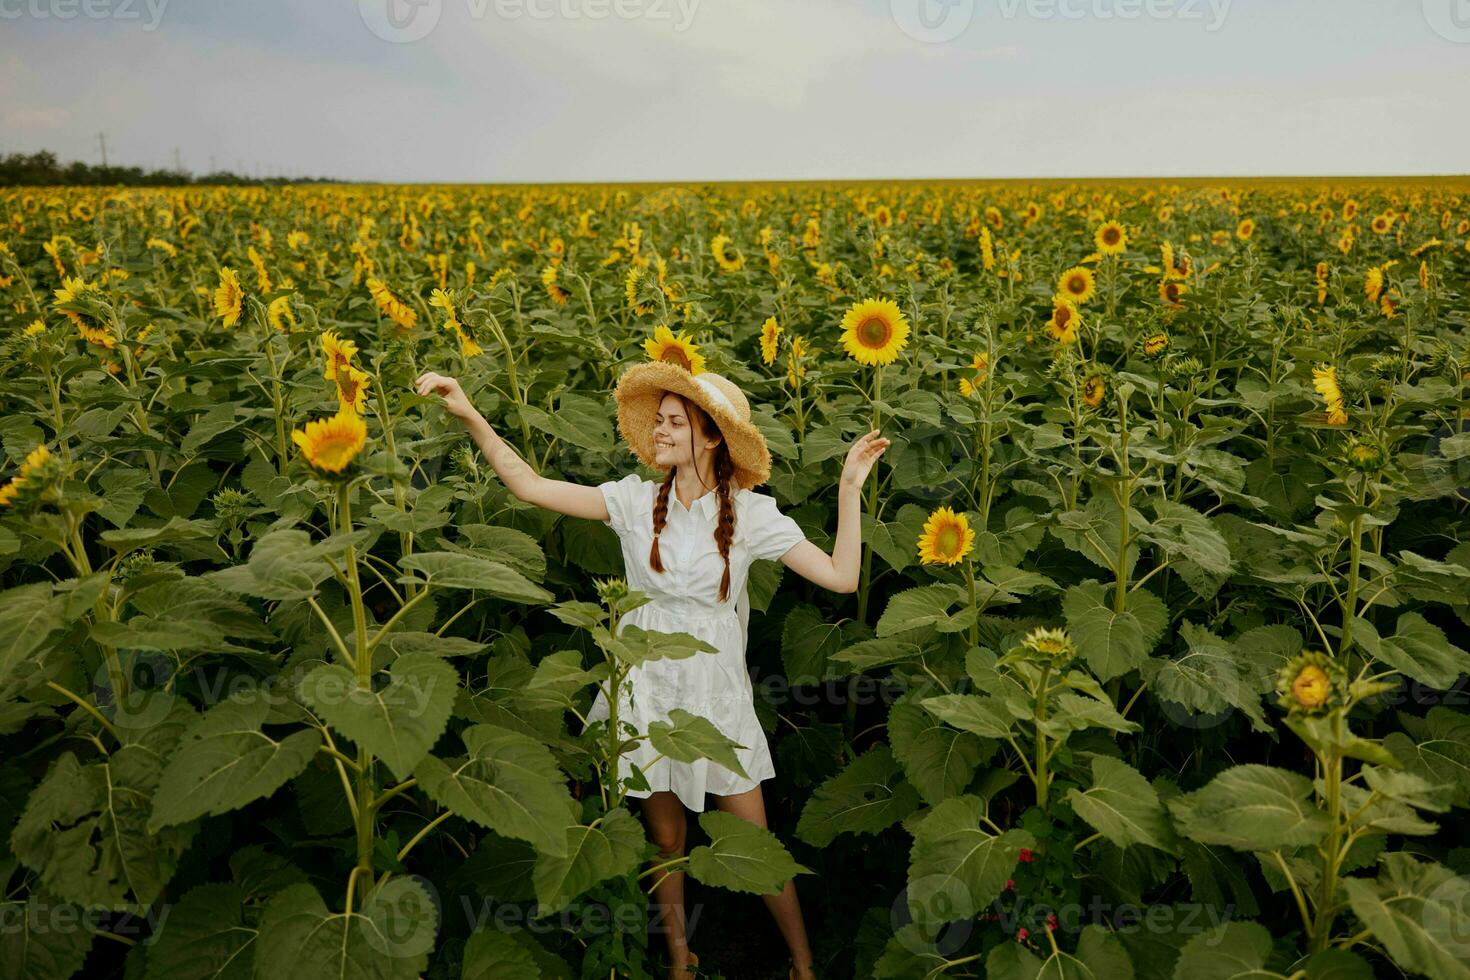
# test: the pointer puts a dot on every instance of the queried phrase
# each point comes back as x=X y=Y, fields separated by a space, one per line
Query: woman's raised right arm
x=572 y=499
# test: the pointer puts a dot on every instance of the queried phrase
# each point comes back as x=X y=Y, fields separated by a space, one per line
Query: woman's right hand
x=455 y=401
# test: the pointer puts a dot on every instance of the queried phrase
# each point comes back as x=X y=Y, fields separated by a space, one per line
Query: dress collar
x=706 y=505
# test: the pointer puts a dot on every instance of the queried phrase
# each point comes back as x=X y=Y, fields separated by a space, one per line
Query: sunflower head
x=336 y=354
x=678 y=349
x=1093 y=390
x=36 y=482
x=770 y=335
x=1049 y=647
x=228 y=297
x=1064 y=320
x=1077 y=284
x=874 y=331
x=1172 y=292
x=329 y=445
x=947 y=538
x=1155 y=344
x=1311 y=683
x=1245 y=229
x=1364 y=455
x=1111 y=239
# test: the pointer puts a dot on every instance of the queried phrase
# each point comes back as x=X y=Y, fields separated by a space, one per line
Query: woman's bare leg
x=667 y=829
x=784 y=907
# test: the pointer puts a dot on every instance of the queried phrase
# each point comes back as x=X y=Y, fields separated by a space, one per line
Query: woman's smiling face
x=676 y=428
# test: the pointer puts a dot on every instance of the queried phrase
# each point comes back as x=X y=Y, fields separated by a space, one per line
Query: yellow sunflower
x=1245 y=229
x=1324 y=380
x=680 y=349
x=336 y=353
x=68 y=298
x=1373 y=284
x=947 y=538
x=1172 y=293
x=1093 y=390
x=1155 y=344
x=1077 y=284
x=1381 y=224
x=770 y=334
x=719 y=247
x=795 y=365
x=34 y=460
x=228 y=297
x=329 y=444
x=558 y=295
x=1064 y=320
x=391 y=306
x=874 y=331
x=352 y=388
x=279 y=314
x=1111 y=239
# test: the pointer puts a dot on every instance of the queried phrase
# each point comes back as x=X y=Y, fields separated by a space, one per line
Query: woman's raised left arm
x=841 y=570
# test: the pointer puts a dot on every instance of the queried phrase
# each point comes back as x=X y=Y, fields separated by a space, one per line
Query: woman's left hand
x=861 y=457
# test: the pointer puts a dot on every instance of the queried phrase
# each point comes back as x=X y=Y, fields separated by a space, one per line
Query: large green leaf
x=509 y=782
x=454 y=570
x=926 y=605
x=938 y=759
x=43 y=939
x=691 y=738
x=492 y=953
x=1122 y=806
x=741 y=856
x=1229 y=951
x=956 y=866
x=225 y=761
x=1206 y=678
x=1420 y=912
x=1099 y=956
x=1113 y=643
x=204 y=935
x=612 y=848
x=287 y=564
x=867 y=796
x=1417 y=649
x=398 y=723
x=389 y=938
x=983 y=715
x=1251 y=808
x=807 y=641
x=1436 y=747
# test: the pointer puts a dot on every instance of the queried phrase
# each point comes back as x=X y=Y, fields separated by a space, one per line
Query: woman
x=688 y=541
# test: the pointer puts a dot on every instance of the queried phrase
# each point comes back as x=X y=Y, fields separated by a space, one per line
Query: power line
x=102 y=142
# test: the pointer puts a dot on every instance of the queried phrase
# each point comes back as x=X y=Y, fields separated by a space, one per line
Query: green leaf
x=956 y=867
x=1251 y=808
x=29 y=615
x=1417 y=649
x=390 y=938
x=1122 y=806
x=176 y=529
x=1420 y=912
x=926 y=605
x=867 y=796
x=204 y=935
x=594 y=854
x=582 y=421
x=493 y=954
x=1113 y=643
x=32 y=947
x=286 y=564
x=635 y=645
x=938 y=759
x=84 y=828
x=1229 y=951
x=1437 y=747
x=1182 y=532
x=452 y=570
x=1206 y=678
x=868 y=654
x=741 y=856
x=225 y=761
x=981 y=714
x=509 y=783
x=691 y=738
x=400 y=722
x=807 y=641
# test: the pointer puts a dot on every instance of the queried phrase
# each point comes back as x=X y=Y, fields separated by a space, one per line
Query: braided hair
x=724 y=471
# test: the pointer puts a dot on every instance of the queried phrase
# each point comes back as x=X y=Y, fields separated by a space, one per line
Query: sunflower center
x=1111 y=236
x=947 y=541
x=1064 y=316
x=874 y=331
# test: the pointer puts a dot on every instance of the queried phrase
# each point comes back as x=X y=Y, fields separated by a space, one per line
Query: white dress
x=685 y=596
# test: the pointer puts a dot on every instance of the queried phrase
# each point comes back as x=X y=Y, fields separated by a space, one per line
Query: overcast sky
x=548 y=90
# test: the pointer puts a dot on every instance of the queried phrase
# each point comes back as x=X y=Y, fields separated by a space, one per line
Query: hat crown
x=724 y=392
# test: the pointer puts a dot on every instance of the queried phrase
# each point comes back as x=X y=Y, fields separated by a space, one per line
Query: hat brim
x=640 y=391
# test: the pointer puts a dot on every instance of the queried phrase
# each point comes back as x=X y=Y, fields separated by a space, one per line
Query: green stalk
x=1332 y=780
x=364 y=669
x=1043 y=780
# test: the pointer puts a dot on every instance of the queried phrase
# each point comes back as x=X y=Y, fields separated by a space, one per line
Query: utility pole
x=102 y=142
x=178 y=164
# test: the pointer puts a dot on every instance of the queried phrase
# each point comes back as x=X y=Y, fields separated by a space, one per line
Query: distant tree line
x=42 y=168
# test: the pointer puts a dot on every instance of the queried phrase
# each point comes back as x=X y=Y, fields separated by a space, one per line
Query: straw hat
x=642 y=388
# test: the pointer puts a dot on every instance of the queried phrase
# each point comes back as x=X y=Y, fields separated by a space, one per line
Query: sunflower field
x=1157 y=667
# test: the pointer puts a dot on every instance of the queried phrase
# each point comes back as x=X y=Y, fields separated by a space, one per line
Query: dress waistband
x=689 y=609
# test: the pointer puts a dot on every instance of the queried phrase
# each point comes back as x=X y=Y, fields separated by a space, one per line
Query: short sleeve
x=621 y=496
x=769 y=533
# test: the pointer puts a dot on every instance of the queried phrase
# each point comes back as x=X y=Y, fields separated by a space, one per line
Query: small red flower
x=1021 y=934
x=1010 y=884
x=1051 y=920
x=1025 y=854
